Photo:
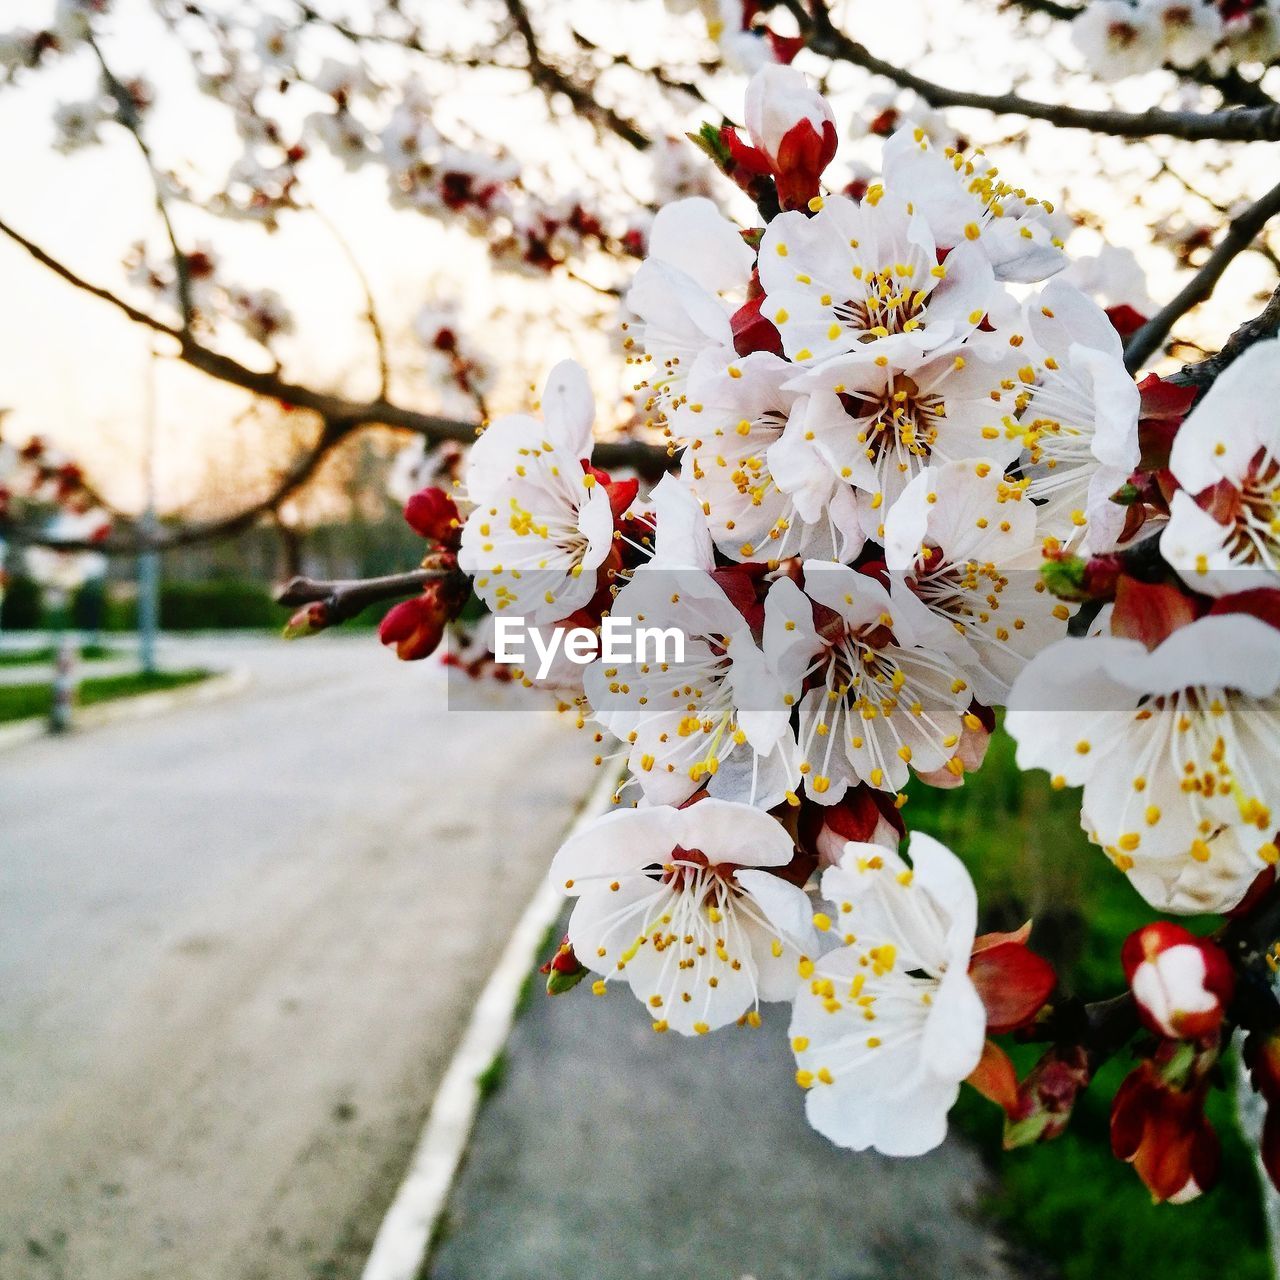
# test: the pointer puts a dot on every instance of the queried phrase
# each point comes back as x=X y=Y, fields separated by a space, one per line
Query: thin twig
x=551 y=80
x=127 y=114
x=370 y=306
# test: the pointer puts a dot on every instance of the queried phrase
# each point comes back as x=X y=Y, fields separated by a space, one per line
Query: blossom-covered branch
x=1242 y=124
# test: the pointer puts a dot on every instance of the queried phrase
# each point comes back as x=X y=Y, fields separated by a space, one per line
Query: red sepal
x=1163 y=1133
x=1125 y=320
x=995 y=1078
x=803 y=154
x=1014 y=984
x=1261 y=602
x=752 y=331
x=1149 y=612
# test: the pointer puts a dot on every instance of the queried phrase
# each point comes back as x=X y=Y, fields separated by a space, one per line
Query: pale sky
x=74 y=369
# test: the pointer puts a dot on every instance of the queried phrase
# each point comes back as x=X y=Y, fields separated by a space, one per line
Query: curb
x=404 y=1238
x=141 y=706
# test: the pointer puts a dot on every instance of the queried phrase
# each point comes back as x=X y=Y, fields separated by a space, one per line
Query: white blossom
x=887 y=1026
x=681 y=905
x=964 y=539
x=1175 y=749
x=684 y=294
x=866 y=278
x=767 y=493
x=720 y=717
x=1189 y=29
x=1118 y=39
x=541 y=526
x=1079 y=419
x=966 y=200
x=884 y=695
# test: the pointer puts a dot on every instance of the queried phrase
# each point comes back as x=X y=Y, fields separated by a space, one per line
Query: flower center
x=888 y=305
x=897 y=424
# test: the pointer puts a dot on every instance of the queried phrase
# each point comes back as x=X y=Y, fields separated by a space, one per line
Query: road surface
x=237 y=943
x=610 y=1153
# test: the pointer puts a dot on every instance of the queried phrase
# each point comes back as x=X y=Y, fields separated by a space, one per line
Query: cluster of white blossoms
x=1119 y=38
x=889 y=420
x=883 y=417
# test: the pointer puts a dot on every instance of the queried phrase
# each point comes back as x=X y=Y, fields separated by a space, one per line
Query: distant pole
x=149 y=557
x=62 y=702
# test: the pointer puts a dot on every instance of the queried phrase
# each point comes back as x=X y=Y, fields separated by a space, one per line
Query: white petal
x=569 y=408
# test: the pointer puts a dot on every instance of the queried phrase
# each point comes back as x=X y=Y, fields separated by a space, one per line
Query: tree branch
x=650 y=459
x=1241 y=233
x=1244 y=124
x=1259 y=329
x=551 y=80
x=343 y=598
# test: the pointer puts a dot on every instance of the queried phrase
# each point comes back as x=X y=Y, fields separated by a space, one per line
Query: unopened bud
x=309 y=620
x=1047 y=1097
x=415 y=627
x=564 y=970
x=793 y=126
x=1181 y=983
x=434 y=515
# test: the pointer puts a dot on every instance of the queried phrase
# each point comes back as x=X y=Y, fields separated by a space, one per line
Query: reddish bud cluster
x=416 y=627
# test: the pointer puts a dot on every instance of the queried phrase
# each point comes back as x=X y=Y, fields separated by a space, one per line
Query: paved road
x=610 y=1153
x=237 y=944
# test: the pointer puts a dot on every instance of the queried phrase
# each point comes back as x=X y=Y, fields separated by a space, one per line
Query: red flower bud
x=1181 y=983
x=1047 y=1097
x=564 y=970
x=415 y=626
x=794 y=128
x=434 y=515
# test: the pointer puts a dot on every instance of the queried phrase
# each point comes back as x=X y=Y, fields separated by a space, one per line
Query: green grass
x=1070 y=1201
x=23 y=701
x=47 y=655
